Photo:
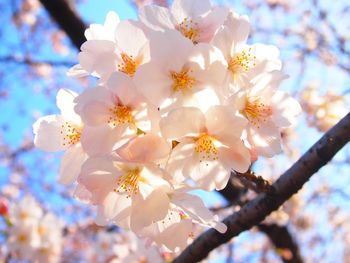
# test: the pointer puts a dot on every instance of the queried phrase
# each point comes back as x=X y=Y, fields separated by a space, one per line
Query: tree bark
x=288 y=184
x=283 y=241
x=68 y=20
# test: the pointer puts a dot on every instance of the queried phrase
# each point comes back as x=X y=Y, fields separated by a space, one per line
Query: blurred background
x=313 y=37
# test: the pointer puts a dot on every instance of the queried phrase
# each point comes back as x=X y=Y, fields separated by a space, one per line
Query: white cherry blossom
x=179 y=72
x=62 y=133
x=196 y=20
x=244 y=61
x=209 y=145
x=267 y=111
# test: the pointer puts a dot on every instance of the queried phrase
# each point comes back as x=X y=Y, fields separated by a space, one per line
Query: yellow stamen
x=129 y=182
x=22 y=238
x=206 y=148
x=121 y=114
x=182 y=81
x=71 y=134
x=129 y=64
x=256 y=111
x=243 y=61
x=189 y=29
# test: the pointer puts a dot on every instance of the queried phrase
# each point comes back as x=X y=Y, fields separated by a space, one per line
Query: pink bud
x=3 y=206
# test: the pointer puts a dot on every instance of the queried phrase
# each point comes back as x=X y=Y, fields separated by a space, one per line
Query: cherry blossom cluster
x=182 y=101
x=32 y=234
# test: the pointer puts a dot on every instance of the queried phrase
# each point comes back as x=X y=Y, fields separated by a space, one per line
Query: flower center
x=182 y=80
x=206 y=148
x=256 y=111
x=71 y=134
x=243 y=61
x=129 y=64
x=129 y=182
x=120 y=114
x=22 y=238
x=189 y=29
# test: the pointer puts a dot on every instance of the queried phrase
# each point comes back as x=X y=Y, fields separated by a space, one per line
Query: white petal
x=65 y=102
x=223 y=123
x=152 y=83
x=71 y=163
x=182 y=122
x=266 y=139
x=130 y=38
x=209 y=24
x=233 y=35
x=156 y=17
x=47 y=131
x=101 y=140
x=176 y=236
x=94 y=105
x=143 y=149
x=77 y=72
x=182 y=9
x=236 y=156
x=155 y=206
x=98 y=57
x=99 y=177
x=122 y=86
x=170 y=49
x=194 y=207
x=117 y=208
x=285 y=109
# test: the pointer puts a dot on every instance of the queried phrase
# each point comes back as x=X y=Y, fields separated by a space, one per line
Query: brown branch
x=66 y=17
x=285 y=246
x=279 y=236
x=32 y=62
x=288 y=184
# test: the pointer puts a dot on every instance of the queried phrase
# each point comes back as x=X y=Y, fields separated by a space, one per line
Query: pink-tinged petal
x=169 y=49
x=156 y=17
x=71 y=163
x=231 y=38
x=266 y=85
x=130 y=38
x=285 y=109
x=155 y=206
x=48 y=136
x=82 y=194
x=103 y=32
x=153 y=83
x=266 y=59
x=194 y=207
x=98 y=57
x=117 y=207
x=175 y=237
x=210 y=23
x=182 y=122
x=77 y=72
x=123 y=87
x=99 y=176
x=211 y=62
x=94 y=105
x=210 y=174
x=182 y=9
x=236 y=156
x=222 y=123
x=144 y=149
x=180 y=164
x=266 y=139
x=103 y=139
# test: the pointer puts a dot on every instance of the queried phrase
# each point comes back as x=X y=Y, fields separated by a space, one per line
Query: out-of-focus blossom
x=323 y=112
